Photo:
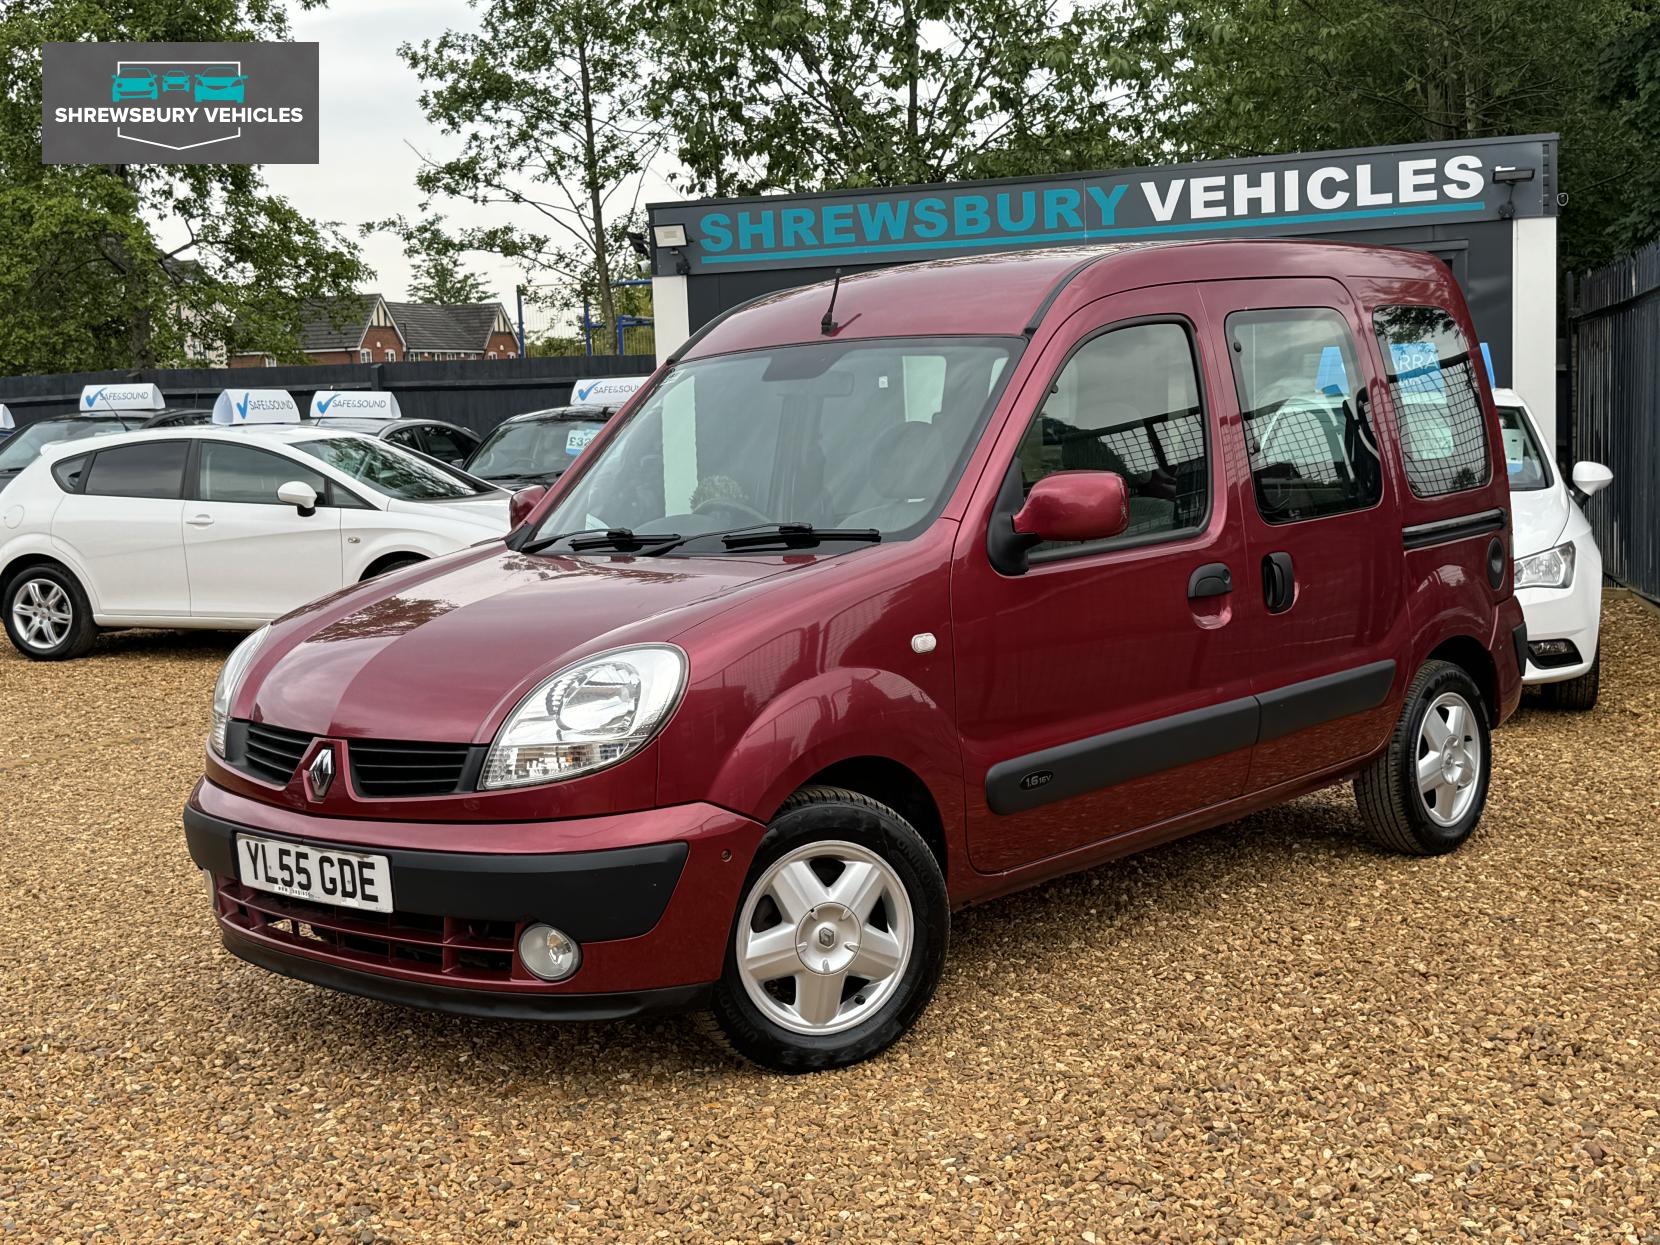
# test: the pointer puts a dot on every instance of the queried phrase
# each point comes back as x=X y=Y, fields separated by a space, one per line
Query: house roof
x=445 y=326
x=318 y=331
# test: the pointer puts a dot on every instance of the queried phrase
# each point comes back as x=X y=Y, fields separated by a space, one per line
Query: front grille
x=267 y=752
x=387 y=767
x=448 y=949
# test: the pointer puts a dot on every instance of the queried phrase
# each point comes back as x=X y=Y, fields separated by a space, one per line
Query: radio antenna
x=827 y=326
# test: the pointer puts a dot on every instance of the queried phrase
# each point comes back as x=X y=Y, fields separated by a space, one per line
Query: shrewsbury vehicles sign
x=255 y=406
x=1427 y=184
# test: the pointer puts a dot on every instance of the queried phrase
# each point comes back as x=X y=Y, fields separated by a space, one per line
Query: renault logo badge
x=320 y=773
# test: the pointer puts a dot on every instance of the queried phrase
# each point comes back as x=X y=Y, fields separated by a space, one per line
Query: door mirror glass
x=522 y=503
x=299 y=495
x=1075 y=505
x=1592 y=478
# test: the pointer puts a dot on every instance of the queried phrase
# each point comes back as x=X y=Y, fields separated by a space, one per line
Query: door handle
x=1213 y=579
x=200 y=520
x=1279 y=582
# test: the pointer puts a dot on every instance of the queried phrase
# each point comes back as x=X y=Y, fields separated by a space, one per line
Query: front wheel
x=1576 y=695
x=1424 y=795
x=839 y=938
x=48 y=616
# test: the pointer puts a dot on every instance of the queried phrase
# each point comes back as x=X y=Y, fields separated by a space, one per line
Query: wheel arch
x=384 y=561
x=899 y=787
x=1476 y=660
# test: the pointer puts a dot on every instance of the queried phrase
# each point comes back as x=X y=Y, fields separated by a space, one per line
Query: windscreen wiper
x=796 y=535
x=620 y=538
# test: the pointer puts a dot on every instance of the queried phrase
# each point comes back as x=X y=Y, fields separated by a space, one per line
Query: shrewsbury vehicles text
x=1093 y=210
x=178 y=115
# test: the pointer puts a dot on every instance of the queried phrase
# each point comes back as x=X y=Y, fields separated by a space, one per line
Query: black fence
x=1614 y=334
x=475 y=393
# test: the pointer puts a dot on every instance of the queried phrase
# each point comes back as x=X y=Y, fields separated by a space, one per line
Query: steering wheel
x=727 y=504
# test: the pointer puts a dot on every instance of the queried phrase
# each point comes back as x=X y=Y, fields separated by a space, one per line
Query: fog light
x=549 y=953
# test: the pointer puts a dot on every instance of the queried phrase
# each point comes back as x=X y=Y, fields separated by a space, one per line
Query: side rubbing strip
x=1460 y=527
x=1119 y=756
x=1298 y=706
x=1040 y=778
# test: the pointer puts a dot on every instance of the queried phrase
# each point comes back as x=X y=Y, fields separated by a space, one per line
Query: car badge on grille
x=320 y=773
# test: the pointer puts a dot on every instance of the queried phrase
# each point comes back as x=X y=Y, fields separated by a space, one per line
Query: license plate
x=345 y=879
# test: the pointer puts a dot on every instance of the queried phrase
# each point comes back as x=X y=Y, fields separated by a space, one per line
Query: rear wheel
x=839 y=938
x=48 y=617
x=1576 y=695
x=1425 y=794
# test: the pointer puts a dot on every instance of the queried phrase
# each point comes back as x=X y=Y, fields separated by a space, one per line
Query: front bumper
x=1574 y=614
x=648 y=895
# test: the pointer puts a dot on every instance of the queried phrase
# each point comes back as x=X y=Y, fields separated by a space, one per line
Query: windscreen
x=1522 y=456
x=390 y=470
x=536 y=447
x=21 y=448
x=867 y=435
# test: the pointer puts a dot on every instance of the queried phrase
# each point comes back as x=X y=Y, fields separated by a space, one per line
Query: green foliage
x=84 y=283
x=1630 y=77
x=808 y=94
x=440 y=276
x=546 y=98
x=1248 y=77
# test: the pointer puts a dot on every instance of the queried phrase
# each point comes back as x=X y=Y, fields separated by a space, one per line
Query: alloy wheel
x=824 y=937
x=1449 y=758
x=42 y=613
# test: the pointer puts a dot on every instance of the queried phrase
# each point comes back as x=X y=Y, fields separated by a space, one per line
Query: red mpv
x=881 y=601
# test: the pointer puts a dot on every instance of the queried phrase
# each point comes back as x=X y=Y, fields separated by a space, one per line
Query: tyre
x=395 y=564
x=1576 y=695
x=48 y=617
x=839 y=937
x=1424 y=795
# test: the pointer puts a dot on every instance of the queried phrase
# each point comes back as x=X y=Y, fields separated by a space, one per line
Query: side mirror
x=1074 y=505
x=522 y=503
x=299 y=495
x=1591 y=478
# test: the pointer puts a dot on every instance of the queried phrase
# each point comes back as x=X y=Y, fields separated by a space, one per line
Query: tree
x=802 y=94
x=1630 y=77
x=546 y=99
x=1250 y=77
x=439 y=274
x=84 y=281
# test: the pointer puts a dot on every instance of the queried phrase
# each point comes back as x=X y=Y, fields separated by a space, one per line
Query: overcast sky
x=369 y=115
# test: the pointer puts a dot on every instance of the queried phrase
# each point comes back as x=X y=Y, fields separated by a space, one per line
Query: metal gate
x=1614 y=326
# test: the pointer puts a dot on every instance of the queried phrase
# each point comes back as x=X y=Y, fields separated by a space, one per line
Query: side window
x=446 y=445
x=1432 y=382
x=68 y=473
x=240 y=473
x=1128 y=401
x=147 y=469
x=404 y=437
x=1300 y=392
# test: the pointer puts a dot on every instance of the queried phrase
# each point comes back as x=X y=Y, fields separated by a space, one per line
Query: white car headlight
x=587 y=716
x=230 y=678
x=1551 y=568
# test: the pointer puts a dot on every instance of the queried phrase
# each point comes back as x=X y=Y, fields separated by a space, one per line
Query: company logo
x=92 y=397
x=320 y=773
x=121 y=398
x=608 y=390
x=324 y=403
x=172 y=103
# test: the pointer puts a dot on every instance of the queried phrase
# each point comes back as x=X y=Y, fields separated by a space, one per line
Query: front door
x=1106 y=690
x=250 y=555
x=1321 y=588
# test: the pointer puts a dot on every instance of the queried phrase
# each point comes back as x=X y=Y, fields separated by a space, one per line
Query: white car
x=1558 y=565
x=218 y=527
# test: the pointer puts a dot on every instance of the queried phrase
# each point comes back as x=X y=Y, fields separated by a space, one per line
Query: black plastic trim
x=494 y=1003
x=1213 y=579
x=1313 y=702
x=1459 y=527
x=1518 y=636
x=1039 y=778
x=592 y=896
x=1056 y=290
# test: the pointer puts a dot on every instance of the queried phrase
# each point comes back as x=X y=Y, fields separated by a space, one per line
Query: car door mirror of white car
x=299 y=495
x=1591 y=478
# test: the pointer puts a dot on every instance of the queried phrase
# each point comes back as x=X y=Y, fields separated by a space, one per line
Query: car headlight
x=587 y=716
x=230 y=678
x=1552 y=568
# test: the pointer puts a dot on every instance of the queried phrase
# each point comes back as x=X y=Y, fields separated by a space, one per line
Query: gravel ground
x=1271 y=1032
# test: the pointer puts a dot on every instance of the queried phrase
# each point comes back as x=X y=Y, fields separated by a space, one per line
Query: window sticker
x=577 y=440
x=1417 y=367
x=1515 y=449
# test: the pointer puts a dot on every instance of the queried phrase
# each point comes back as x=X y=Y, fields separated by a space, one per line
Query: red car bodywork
x=802 y=666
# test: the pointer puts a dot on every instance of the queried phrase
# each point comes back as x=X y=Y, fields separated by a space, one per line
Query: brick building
x=368 y=329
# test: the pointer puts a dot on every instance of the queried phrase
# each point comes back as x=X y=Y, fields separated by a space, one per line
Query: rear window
x=68 y=472
x=1523 y=459
x=1432 y=381
x=145 y=469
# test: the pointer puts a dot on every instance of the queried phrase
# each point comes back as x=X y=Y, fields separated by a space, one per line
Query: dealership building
x=1485 y=207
